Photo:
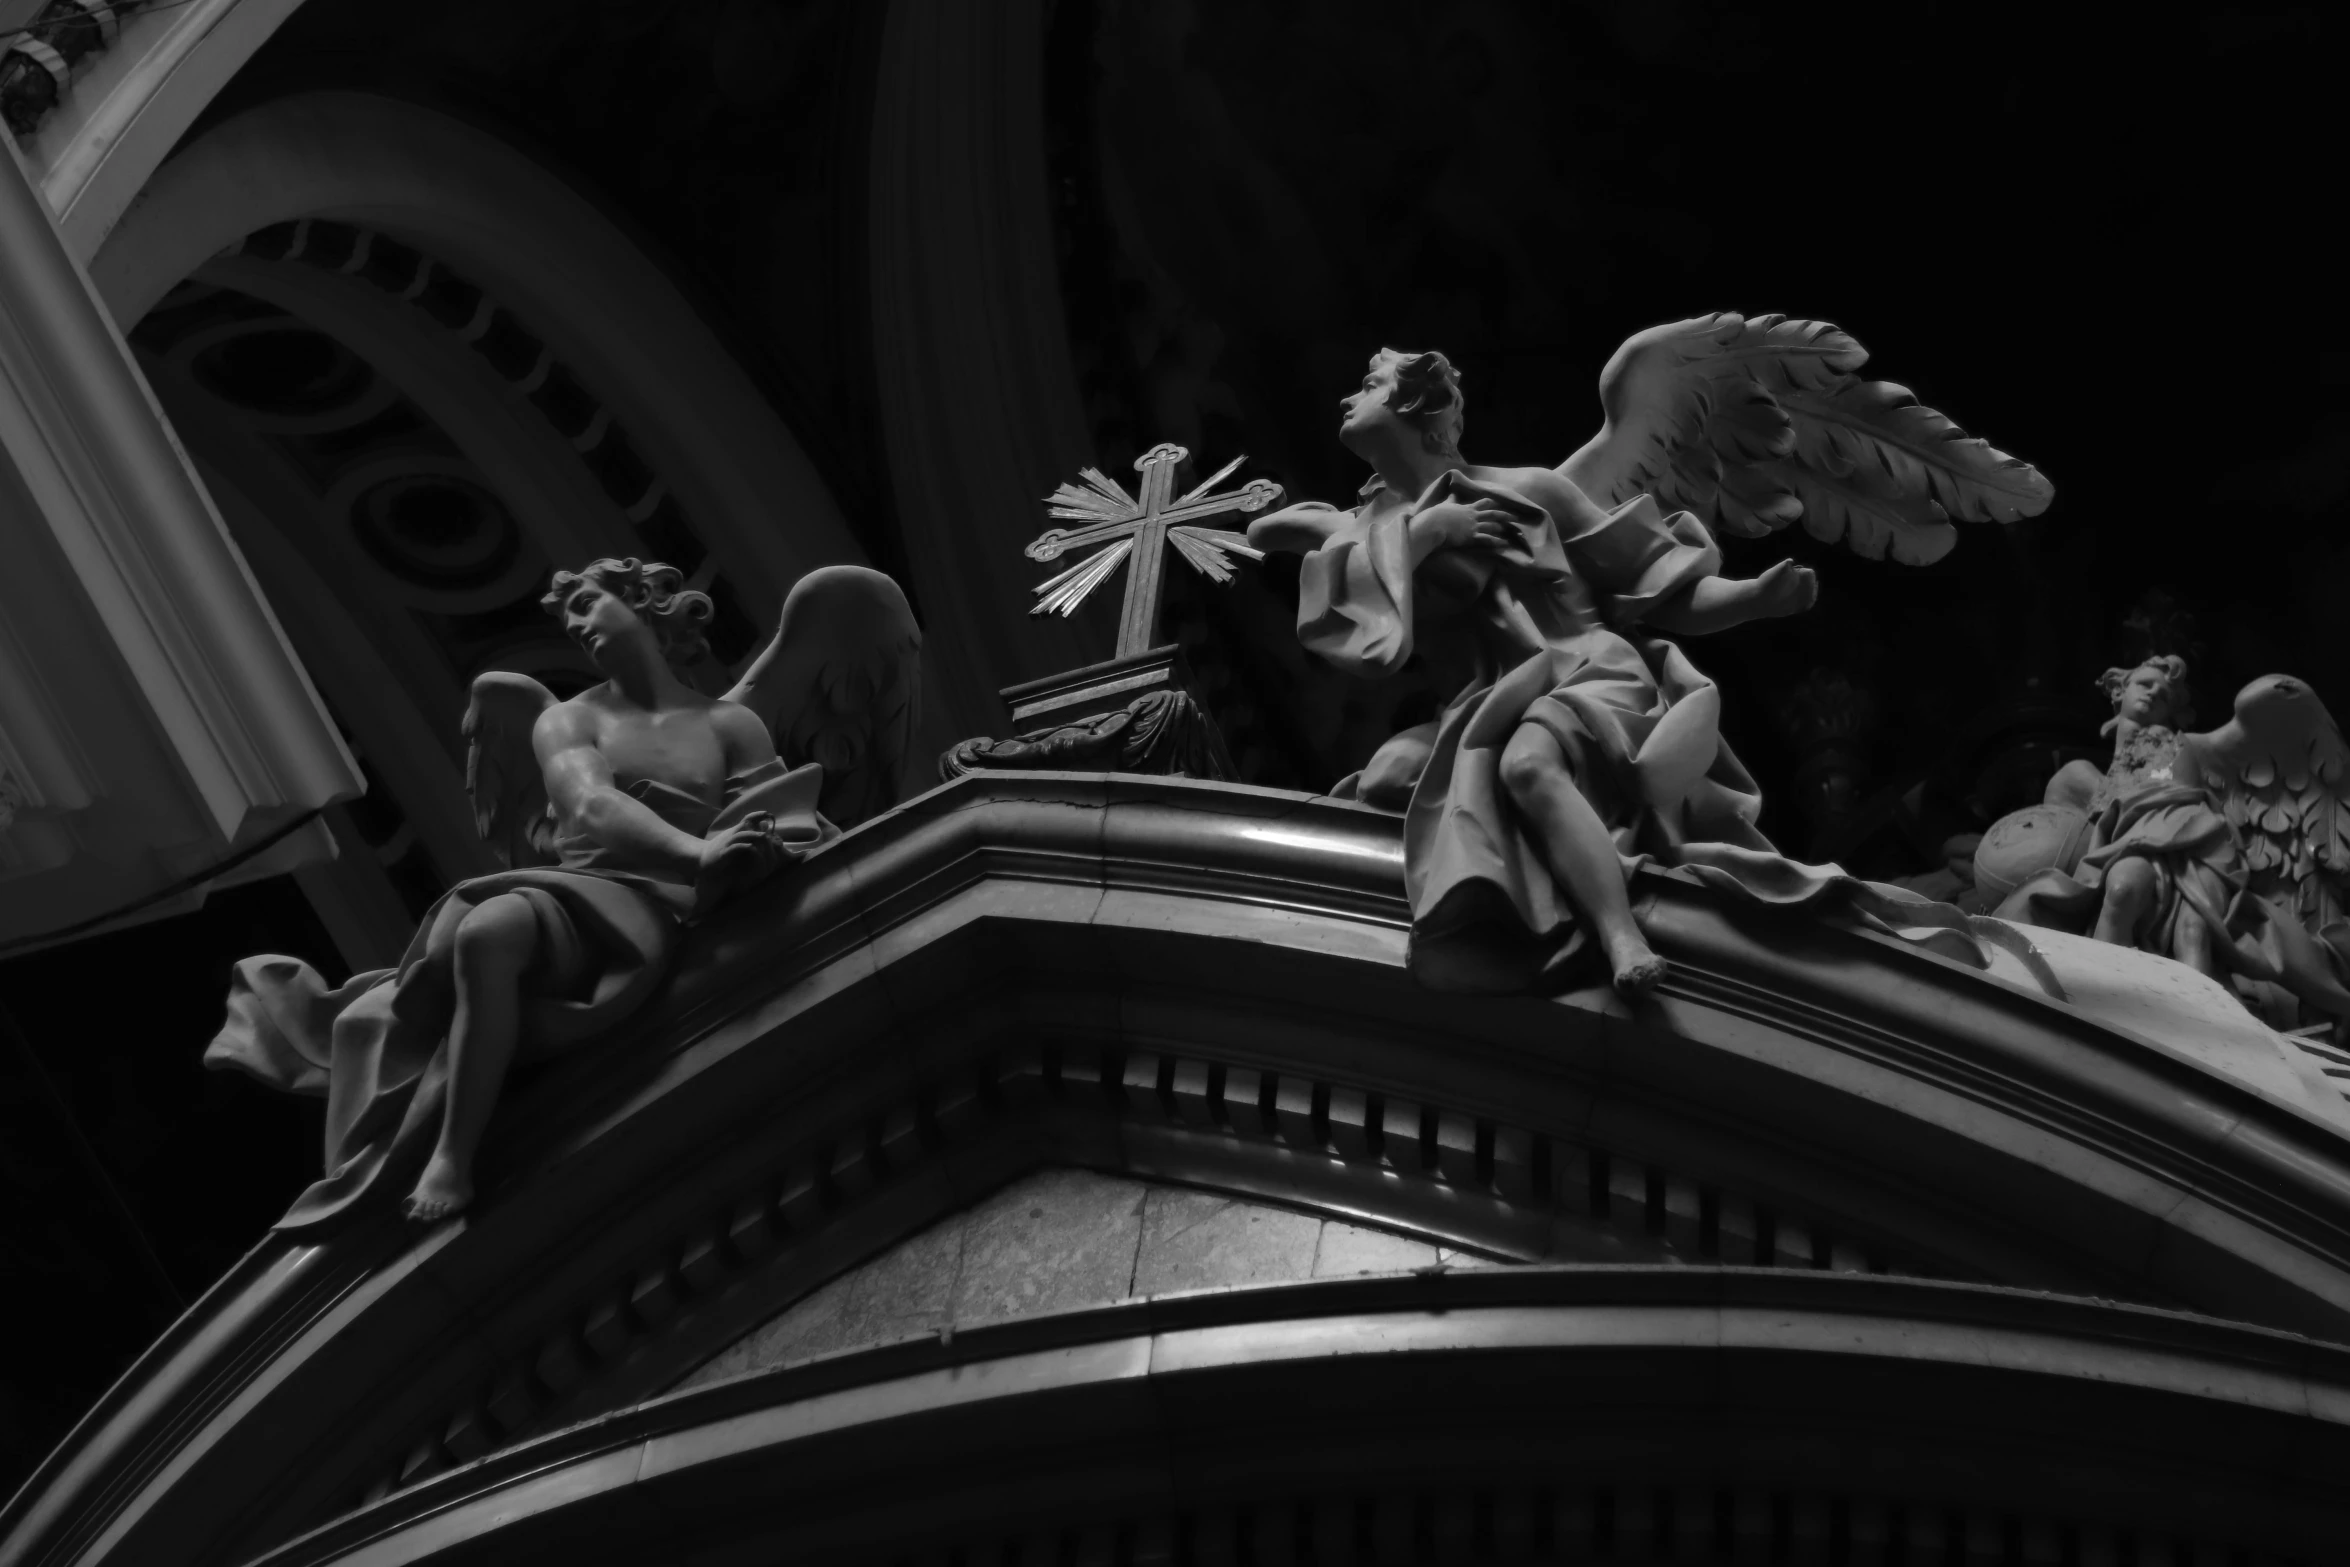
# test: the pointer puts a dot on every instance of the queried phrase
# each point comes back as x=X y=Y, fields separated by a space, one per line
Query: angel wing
x=2279 y=770
x=502 y=770
x=1754 y=422
x=841 y=685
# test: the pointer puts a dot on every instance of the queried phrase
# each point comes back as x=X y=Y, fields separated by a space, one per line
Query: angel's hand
x=1471 y=524
x=1786 y=589
x=745 y=853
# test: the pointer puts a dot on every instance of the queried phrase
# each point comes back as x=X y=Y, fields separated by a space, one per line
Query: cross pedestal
x=1135 y=711
x=1114 y=683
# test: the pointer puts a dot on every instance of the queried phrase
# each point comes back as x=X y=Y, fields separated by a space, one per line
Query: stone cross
x=1143 y=529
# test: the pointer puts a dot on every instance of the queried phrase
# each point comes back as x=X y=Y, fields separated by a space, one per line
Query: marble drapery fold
x=1549 y=623
x=376 y=1047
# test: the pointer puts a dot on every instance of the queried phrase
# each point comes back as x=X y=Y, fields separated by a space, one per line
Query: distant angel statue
x=623 y=815
x=2227 y=850
x=2107 y=847
x=1582 y=741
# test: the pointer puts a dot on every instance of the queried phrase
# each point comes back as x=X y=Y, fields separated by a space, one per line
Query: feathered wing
x=841 y=685
x=502 y=768
x=2281 y=774
x=1752 y=422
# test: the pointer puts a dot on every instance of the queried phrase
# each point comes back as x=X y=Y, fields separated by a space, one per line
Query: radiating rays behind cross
x=1143 y=529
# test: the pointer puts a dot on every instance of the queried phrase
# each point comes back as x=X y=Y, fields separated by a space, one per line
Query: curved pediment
x=1193 y=988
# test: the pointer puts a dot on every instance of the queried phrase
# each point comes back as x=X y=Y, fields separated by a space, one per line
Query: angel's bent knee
x=1531 y=762
x=499 y=934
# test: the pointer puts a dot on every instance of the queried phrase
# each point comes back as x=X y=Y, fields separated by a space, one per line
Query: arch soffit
x=467 y=199
x=518 y=453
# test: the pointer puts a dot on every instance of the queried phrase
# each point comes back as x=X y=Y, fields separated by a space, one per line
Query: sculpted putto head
x=1419 y=391
x=2155 y=692
x=652 y=594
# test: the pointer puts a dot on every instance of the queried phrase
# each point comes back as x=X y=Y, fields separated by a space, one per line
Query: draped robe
x=376 y=1047
x=1550 y=623
x=2140 y=810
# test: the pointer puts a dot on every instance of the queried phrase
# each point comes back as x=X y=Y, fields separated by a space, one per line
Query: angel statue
x=2229 y=850
x=623 y=815
x=2112 y=842
x=1581 y=741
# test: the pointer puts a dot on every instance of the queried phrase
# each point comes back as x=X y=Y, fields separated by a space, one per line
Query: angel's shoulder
x=1511 y=474
x=734 y=721
x=1546 y=487
x=575 y=721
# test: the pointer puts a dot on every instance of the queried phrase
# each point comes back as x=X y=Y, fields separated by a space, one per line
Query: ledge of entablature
x=1024 y=970
x=1889 y=1060
x=1935 y=1418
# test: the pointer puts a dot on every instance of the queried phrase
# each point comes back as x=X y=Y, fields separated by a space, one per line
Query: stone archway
x=536 y=250
x=418 y=371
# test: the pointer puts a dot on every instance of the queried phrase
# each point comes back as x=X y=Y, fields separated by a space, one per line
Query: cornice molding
x=127 y=110
x=1570 y=1392
x=145 y=591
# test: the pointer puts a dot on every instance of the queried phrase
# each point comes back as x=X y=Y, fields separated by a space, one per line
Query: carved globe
x=2022 y=844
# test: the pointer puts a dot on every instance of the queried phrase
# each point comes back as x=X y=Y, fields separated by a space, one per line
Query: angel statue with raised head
x=623 y=815
x=1582 y=741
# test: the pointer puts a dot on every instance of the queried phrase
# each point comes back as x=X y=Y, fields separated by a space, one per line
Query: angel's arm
x=589 y=803
x=1447 y=525
x=1713 y=604
x=1296 y=530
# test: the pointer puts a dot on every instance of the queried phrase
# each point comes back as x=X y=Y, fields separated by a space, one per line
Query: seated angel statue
x=1582 y=742
x=623 y=814
x=2228 y=851
x=2108 y=847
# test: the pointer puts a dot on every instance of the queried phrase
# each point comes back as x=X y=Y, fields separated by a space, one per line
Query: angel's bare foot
x=1634 y=967
x=1787 y=589
x=443 y=1189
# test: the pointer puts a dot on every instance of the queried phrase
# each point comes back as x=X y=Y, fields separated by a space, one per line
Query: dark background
x=2103 y=243
x=2096 y=242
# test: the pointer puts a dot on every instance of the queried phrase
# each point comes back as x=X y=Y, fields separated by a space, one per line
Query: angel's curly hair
x=656 y=592
x=2180 y=710
x=1428 y=395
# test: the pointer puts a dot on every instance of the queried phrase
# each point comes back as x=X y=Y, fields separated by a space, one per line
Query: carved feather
x=840 y=684
x=502 y=768
x=1755 y=422
x=2277 y=769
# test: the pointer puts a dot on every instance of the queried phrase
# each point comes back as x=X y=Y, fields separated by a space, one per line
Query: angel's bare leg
x=2191 y=944
x=2130 y=889
x=495 y=944
x=1581 y=854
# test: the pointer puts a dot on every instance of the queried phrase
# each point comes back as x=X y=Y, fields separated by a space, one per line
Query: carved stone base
x=1163 y=731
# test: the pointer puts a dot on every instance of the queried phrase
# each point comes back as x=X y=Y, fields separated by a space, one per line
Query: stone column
x=979 y=398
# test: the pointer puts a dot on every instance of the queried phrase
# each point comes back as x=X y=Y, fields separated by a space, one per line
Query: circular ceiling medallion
x=450 y=543
x=287 y=370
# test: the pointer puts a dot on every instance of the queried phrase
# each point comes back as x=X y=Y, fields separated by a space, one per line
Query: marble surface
x=1060 y=1240
x=2189 y=1013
